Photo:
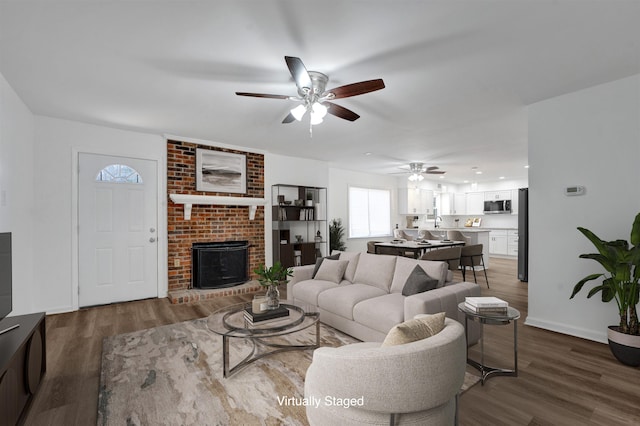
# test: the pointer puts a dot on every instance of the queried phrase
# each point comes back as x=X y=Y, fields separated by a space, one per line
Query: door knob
x=152 y=229
x=152 y=240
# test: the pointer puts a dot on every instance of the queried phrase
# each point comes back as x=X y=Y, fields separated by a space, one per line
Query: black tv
x=6 y=304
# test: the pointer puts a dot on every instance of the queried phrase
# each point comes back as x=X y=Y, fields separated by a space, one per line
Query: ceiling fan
x=314 y=98
x=418 y=169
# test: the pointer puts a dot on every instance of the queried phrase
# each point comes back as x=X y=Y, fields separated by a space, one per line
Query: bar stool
x=454 y=235
x=423 y=234
x=399 y=233
x=472 y=256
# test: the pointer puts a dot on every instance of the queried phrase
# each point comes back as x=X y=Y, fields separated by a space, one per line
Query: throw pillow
x=319 y=262
x=415 y=329
x=332 y=270
x=418 y=282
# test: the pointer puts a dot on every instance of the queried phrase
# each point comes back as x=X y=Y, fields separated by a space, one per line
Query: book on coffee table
x=486 y=302
x=253 y=318
x=486 y=305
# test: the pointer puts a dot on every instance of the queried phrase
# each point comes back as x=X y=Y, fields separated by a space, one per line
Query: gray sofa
x=368 y=301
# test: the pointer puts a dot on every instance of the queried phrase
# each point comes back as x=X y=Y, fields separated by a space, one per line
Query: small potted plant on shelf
x=271 y=278
x=621 y=261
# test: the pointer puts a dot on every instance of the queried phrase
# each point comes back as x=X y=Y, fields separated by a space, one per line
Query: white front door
x=117 y=236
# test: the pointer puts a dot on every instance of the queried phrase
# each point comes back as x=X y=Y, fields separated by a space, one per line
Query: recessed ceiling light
x=465 y=181
x=368 y=153
x=526 y=167
x=441 y=177
x=478 y=172
x=501 y=177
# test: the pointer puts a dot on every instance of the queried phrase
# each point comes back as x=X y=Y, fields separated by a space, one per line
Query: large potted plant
x=336 y=233
x=271 y=278
x=621 y=261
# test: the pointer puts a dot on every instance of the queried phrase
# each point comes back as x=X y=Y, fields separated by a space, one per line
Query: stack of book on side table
x=486 y=305
x=271 y=314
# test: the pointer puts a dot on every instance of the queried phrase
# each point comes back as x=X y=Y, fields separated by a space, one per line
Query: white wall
x=55 y=241
x=590 y=138
x=339 y=182
x=17 y=192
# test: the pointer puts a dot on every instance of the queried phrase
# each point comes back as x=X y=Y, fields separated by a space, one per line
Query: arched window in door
x=118 y=173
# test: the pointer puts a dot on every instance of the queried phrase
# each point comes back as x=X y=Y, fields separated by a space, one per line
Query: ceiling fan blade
x=435 y=172
x=299 y=73
x=289 y=119
x=355 y=89
x=432 y=168
x=263 y=95
x=341 y=112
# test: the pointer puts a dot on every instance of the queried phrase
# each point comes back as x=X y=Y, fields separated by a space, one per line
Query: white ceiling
x=458 y=74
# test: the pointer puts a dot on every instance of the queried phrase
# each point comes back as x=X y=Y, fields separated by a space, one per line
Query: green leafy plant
x=621 y=262
x=274 y=275
x=336 y=234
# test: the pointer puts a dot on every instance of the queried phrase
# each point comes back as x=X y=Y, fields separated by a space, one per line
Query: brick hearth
x=197 y=294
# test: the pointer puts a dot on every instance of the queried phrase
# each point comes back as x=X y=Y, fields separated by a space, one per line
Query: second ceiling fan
x=313 y=96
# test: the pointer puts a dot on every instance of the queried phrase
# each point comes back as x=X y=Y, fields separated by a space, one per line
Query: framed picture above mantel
x=218 y=171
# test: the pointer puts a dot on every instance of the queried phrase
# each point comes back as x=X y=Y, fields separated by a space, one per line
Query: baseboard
x=582 y=333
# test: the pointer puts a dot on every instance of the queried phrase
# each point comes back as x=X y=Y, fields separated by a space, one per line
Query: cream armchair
x=412 y=384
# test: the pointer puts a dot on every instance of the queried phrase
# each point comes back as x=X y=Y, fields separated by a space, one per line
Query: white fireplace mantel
x=189 y=200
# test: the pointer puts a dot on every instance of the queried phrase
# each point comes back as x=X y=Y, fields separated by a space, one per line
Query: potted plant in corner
x=271 y=278
x=621 y=261
x=336 y=233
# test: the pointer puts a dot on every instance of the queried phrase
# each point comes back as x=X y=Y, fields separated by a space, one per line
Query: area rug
x=172 y=375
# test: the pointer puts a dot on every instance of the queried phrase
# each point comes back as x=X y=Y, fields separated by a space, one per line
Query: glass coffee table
x=230 y=322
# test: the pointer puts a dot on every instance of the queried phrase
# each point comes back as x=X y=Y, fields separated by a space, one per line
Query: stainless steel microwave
x=497 y=207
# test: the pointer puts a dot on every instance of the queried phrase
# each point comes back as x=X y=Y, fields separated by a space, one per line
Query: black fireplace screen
x=220 y=264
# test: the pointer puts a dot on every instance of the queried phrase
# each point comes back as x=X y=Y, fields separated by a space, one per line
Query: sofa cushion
x=332 y=270
x=418 y=282
x=352 y=257
x=308 y=290
x=415 y=329
x=376 y=270
x=380 y=313
x=404 y=267
x=319 y=262
x=341 y=300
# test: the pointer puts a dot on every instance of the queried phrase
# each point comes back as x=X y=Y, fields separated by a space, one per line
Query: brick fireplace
x=209 y=223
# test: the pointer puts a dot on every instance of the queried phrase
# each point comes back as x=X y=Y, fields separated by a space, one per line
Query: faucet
x=435 y=221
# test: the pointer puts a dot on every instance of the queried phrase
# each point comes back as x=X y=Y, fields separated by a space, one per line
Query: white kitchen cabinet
x=512 y=243
x=460 y=204
x=452 y=204
x=445 y=207
x=415 y=201
x=475 y=203
x=498 y=242
x=497 y=195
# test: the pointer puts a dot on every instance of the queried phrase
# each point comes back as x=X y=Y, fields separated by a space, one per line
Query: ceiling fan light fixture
x=319 y=110
x=416 y=177
x=316 y=119
x=298 y=112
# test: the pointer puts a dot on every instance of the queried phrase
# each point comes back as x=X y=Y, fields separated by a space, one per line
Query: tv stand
x=9 y=328
x=23 y=363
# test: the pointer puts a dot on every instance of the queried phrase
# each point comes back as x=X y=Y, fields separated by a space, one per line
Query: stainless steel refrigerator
x=523 y=234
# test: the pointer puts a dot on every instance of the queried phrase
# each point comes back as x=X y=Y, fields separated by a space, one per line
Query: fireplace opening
x=220 y=264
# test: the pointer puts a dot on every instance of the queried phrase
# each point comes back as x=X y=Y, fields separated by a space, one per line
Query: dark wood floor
x=563 y=380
